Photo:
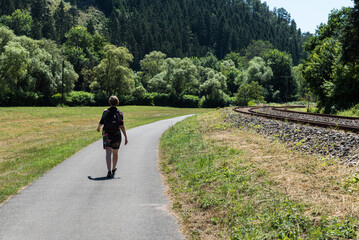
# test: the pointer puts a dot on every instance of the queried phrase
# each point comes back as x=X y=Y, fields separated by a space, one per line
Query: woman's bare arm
x=122 y=127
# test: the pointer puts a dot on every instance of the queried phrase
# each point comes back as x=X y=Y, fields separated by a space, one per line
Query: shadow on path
x=101 y=178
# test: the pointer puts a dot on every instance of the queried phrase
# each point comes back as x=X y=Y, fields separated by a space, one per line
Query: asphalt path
x=76 y=201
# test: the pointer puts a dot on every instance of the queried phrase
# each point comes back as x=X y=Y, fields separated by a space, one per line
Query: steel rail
x=284 y=109
x=252 y=111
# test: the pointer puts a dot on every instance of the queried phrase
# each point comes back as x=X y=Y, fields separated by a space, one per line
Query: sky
x=308 y=14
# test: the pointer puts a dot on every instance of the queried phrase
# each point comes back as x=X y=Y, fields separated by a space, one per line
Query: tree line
x=39 y=72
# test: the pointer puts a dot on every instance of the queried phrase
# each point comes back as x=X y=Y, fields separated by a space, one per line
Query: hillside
x=178 y=28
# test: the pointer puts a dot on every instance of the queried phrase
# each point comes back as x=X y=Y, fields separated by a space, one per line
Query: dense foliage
x=332 y=68
x=32 y=70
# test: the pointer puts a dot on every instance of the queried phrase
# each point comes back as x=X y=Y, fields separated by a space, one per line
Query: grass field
x=230 y=183
x=35 y=139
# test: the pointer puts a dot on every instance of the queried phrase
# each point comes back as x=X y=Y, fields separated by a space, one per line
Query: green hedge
x=74 y=98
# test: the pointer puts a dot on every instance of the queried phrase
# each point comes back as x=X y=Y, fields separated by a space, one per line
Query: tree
x=249 y=92
x=229 y=70
x=48 y=28
x=6 y=7
x=113 y=74
x=178 y=77
x=91 y=27
x=236 y=58
x=13 y=66
x=284 y=85
x=257 y=49
x=38 y=9
x=20 y=22
x=330 y=70
x=114 y=29
x=6 y=35
x=62 y=22
x=210 y=61
x=184 y=79
x=318 y=70
x=213 y=89
x=151 y=65
x=259 y=72
x=159 y=83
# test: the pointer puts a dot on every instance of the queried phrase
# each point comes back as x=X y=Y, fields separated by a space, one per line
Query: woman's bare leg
x=115 y=158
x=108 y=158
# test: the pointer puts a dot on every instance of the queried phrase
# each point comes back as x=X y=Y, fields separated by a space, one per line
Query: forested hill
x=178 y=28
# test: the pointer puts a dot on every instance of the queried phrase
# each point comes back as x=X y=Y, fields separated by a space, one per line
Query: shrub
x=80 y=98
x=101 y=99
x=214 y=102
x=125 y=100
x=189 y=101
x=55 y=99
x=75 y=98
x=231 y=101
x=145 y=100
x=160 y=99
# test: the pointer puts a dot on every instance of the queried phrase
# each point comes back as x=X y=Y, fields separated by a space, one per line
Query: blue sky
x=308 y=14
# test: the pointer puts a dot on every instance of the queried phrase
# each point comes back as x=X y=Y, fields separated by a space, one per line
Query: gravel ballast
x=324 y=142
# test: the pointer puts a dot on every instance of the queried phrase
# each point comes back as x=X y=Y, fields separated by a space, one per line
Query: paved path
x=76 y=201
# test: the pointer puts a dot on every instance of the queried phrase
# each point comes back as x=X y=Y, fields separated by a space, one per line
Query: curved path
x=76 y=201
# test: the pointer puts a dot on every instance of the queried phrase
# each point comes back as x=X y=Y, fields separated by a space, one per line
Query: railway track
x=322 y=120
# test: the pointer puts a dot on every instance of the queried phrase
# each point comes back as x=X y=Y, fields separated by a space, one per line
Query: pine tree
x=38 y=9
x=36 y=32
x=48 y=28
x=60 y=22
x=90 y=27
x=114 y=29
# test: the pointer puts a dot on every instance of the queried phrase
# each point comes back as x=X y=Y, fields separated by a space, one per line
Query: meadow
x=35 y=139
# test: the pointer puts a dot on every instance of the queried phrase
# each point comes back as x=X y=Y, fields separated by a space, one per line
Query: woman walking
x=112 y=120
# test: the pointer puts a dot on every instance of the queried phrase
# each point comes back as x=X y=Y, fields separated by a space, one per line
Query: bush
x=231 y=101
x=56 y=99
x=21 y=98
x=160 y=99
x=145 y=100
x=125 y=100
x=75 y=98
x=80 y=98
x=101 y=99
x=221 y=101
x=189 y=101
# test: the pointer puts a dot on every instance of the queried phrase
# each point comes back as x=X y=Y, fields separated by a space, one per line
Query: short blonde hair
x=113 y=101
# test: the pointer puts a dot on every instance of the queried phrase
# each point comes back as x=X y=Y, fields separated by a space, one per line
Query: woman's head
x=113 y=101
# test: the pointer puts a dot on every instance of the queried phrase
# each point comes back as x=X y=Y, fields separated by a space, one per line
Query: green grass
x=352 y=112
x=35 y=139
x=236 y=198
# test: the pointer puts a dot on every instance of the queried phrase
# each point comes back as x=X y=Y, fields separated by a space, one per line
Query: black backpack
x=112 y=121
